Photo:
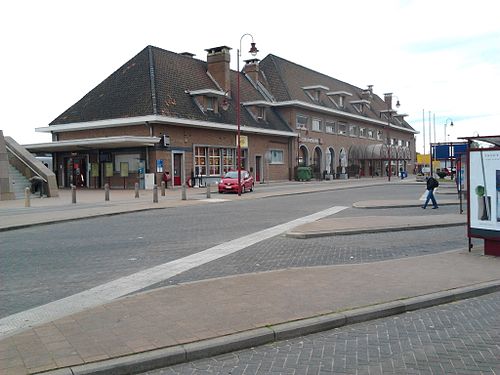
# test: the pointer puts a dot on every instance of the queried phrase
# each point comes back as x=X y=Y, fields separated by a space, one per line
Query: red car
x=229 y=182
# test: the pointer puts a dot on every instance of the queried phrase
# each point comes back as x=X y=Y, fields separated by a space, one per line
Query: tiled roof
x=156 y=81
x=285 y=80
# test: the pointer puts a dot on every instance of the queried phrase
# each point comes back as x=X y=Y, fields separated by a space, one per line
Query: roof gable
x=159 y=82
x=125 y=93
x=288 y=81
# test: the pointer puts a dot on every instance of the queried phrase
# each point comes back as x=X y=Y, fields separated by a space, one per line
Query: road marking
x=118 y=288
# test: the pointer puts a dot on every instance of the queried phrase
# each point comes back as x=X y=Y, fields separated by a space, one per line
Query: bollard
x=208 y=190
x=136 y=188
x=73 y=194
x=184 y=192
x=162 y=188
x=27 y=193
x=155 y=193
x=106 y=192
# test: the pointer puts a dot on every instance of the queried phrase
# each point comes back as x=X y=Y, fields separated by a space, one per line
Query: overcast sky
x=436 y=56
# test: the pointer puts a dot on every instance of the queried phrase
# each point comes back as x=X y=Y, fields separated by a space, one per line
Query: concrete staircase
x=19 y=182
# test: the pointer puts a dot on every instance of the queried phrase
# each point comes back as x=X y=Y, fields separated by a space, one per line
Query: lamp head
x=398 y=104
x=451 y=124
x=253 y=49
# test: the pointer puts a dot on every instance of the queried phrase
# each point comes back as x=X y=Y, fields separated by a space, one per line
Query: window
x=261 y=113
x=353 y=130
x=276 y=156
x=370 y=133
x=228 y=159
x=317 y=125
x=214 y=161
x=342 y=129
x=330 y=127
x=379 y=135
x=341 y=101
x=301 y=122
x=200 y=160
x=400 y=142
x=210 y=103
x=407 y=143
x=362 y=132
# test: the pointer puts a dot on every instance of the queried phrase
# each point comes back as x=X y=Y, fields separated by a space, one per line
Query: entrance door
x=177 y=169
x=76 y=171
x=258 y=167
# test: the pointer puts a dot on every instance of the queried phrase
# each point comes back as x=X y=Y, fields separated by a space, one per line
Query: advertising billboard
x=484 y=193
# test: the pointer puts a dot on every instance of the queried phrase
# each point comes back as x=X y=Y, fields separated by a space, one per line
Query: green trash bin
x=304 y=173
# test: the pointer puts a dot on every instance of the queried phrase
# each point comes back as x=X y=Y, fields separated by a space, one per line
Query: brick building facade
x=163 y=111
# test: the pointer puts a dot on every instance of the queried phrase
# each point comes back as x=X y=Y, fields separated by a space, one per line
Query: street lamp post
x=445 y=124
x=389 y=115
x=253 y=51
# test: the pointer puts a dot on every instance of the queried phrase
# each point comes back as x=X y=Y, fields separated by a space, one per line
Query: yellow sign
x=423 y=159
x=123 y=169
x=243 y=141
x=94 y=169
x=108 y=169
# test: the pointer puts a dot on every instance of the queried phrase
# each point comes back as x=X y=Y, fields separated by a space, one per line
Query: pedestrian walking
x=432 y=184
x=166 y=178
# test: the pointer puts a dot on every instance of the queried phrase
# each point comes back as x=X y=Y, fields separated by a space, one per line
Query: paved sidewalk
x=370 y=224
x=192 y=320
x=188 y=321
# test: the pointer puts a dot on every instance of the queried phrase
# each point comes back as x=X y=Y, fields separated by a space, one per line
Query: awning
x=93 y=144
x=376 y=151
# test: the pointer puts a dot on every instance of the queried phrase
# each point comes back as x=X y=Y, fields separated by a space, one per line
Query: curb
x=142 y=209
x=403 y=205
x=155 y=359
x=348 y=232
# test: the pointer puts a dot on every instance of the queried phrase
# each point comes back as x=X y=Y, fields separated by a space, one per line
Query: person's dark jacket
x=432 y=183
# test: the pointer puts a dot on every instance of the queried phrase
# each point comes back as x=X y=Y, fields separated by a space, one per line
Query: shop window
x=228 y=159
x=200 y=160
x=214 y=161
x=276 y=157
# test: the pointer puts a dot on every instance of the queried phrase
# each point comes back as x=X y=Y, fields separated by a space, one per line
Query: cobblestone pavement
x=458 y=338
x=282 y=252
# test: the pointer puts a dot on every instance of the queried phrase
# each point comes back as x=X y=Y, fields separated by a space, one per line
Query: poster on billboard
x=485 y=190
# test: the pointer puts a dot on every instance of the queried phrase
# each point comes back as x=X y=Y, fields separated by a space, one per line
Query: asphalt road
x=458 y=338
x=46 y=263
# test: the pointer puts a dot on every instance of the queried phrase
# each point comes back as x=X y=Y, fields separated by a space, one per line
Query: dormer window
x=261 y=113
x=338 y=97
x=360 y=105
x=314 y=92
x=210 y=103
x=258 y=109
x=208 y=99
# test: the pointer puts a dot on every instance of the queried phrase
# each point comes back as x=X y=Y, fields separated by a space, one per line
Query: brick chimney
x=251 y=68
x=218 y=59
x=388 y=100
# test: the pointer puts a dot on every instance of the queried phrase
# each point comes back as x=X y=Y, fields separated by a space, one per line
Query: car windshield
x=232 y=174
